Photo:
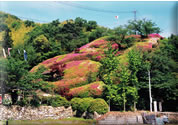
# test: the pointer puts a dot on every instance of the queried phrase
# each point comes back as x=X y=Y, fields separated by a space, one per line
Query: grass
x=68 y=121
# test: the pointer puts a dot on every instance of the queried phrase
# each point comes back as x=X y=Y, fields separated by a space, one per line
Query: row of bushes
x=80 y=105
x=35 y=101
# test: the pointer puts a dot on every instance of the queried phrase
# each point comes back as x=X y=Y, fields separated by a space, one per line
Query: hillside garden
x=89 y=67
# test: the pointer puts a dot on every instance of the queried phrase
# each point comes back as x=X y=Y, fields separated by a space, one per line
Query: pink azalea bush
x=145 y=46
x=155 y=35
x=70 y=83
x=93 y=89
x=115 y=46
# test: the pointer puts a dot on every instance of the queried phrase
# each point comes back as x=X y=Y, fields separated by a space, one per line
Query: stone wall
x=30 y=113
x=120 y=118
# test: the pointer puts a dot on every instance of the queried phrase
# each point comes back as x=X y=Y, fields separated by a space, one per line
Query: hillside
x=79 y=67
x=80 y=60
x=17 y=27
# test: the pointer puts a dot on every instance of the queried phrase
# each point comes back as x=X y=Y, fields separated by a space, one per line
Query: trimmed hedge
x=57 y=101
x=81 y=105
x=98 y=105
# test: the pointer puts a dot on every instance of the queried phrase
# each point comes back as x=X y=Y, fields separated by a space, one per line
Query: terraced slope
x=79 y=67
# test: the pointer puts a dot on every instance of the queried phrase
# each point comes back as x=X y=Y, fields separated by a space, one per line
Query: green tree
x=91 y=25
x=122 y=32
x=41 y=43
x=7 y=41
x=135 y=59
x=124 y=81
x=144 y=27
x=109 y=66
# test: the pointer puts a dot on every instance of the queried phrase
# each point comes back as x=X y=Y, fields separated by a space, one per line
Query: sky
x=103 y=12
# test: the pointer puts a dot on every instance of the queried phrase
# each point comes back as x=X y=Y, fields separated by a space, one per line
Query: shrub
x=98 y=105
x=58 y=101
x=84 y=105
x=35 y=101
x=129 y=41
x=29 y=23
x=16 y=25
x=23 y=102
x=81 y=105
x=75 y=103
x=113 y=38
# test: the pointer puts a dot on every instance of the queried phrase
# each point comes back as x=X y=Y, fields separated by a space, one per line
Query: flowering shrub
x=155 y=35
x=77 y=50
x=96 y=44
x=145 y=46
x=135 y=36
x=82 y=69
x=98 y=58
x=115 y=46
x=70 y=83
x=94 y=89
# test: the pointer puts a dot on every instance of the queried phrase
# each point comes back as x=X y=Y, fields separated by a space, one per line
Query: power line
x=96 y=9
x=90 y=8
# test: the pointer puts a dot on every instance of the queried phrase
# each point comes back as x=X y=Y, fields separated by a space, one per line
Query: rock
x=29 y=113
x=96 y=115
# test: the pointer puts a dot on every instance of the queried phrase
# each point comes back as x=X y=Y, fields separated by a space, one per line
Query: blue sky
x=162 y=13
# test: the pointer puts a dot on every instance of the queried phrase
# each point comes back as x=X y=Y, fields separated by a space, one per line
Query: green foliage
x=113 y=38
x=124 y=81
x=16 y=25
x=81 y=105
x=135 y=59
x=122 y=32
x=35 y=101
x=15 y=69
x=41 y=43
x=97 y=33
x=57 y=101
x=163 y=70
x=129 y=41
x=23 y=102
x=29 y=23
x=7 y=41
x=91 y=25
x=143 y=27
x=109 y=65
x=80 y=22
x=98 y=105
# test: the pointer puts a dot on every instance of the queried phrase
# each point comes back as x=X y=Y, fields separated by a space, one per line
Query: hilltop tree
x=144 y=27
x=122 y=32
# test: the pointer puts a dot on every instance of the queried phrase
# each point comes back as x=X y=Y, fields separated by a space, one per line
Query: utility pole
x=135 y=15
x=135 y=19
x=150 y=91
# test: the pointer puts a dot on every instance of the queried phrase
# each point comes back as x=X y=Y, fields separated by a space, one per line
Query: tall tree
x=144 y=27
x=135 y=59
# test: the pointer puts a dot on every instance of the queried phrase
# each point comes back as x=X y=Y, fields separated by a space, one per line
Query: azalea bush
x=94 y=89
